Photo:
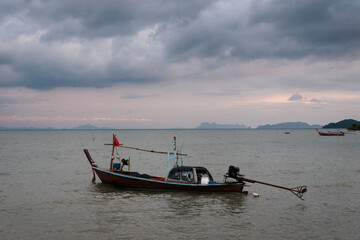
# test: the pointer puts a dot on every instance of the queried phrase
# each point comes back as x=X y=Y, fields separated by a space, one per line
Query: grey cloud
x=295 y=97
x=315 y=100
x=92 y=19
x=7 y=104
x=276 y=29
x=325 y=28
x=63 y=22
x=137 y=96
x=298 y=97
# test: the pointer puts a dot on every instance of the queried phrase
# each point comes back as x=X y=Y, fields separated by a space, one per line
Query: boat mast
x=176 y=156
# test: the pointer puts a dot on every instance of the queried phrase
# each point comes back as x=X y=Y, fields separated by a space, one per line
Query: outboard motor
x=233 y=173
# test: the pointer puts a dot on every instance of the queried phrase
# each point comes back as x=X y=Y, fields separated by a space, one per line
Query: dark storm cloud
x=223 y=30
x=274 y=29
x=93 y=18
x=327 y=28
x=63 y=22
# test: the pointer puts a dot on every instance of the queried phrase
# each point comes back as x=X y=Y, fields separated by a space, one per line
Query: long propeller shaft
x=298 y=191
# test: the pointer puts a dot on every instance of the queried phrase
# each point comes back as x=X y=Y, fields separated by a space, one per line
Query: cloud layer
x=221 y=58
x=49 y=44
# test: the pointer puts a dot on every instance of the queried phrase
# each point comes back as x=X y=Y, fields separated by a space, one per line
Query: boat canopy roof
x=187 y=168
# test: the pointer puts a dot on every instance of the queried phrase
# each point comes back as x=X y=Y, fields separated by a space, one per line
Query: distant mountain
x=288 y=125
x=342 y=124
x=206 y=125
x=86 y=126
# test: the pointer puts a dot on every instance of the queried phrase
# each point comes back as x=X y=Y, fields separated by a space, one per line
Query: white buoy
x=256 y=194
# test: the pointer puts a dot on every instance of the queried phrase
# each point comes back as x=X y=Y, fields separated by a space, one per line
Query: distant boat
x=287 y=132
x=338 y=133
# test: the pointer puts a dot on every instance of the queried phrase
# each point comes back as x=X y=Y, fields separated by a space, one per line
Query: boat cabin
x=186 y=174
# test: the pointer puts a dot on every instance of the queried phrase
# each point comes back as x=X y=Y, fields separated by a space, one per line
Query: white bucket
x=205 y=180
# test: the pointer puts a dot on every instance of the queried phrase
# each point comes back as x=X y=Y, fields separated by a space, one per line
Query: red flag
x=115 y=141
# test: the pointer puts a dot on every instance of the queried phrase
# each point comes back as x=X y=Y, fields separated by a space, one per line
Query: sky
x=169 y=64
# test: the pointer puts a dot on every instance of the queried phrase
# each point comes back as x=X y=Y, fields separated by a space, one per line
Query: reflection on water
x=181 y=203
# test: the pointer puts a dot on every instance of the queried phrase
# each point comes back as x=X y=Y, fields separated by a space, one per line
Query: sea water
x=46 y=190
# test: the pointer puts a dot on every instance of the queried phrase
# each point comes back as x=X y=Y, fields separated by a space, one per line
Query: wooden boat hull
x=122 y=180
x=330 y=134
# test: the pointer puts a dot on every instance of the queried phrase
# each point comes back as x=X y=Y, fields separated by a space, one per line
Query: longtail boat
x=180 y=177
x=338 y=133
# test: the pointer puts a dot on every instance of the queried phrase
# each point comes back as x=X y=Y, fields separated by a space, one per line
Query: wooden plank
x=147 y=150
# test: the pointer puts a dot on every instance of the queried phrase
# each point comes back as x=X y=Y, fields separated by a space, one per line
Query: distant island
x=347 y=123
x=87 y=127
x=285 y=125
x=289 y=125
x=206 y=125
x=354 y=127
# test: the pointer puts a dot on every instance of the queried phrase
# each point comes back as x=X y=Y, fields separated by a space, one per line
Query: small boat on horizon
x=180 y=177
x=338 y=133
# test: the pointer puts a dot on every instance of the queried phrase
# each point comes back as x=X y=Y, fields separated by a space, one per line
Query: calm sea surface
x=46 y=190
